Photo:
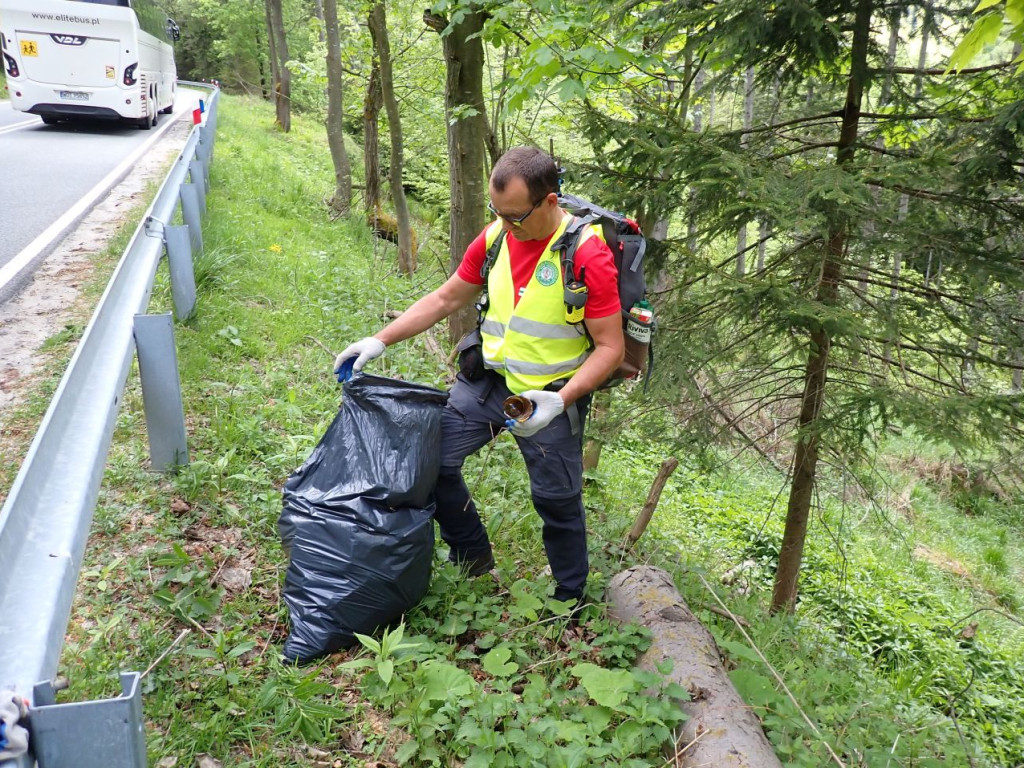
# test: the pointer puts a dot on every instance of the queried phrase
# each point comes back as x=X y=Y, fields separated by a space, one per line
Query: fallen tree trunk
x=721 y=730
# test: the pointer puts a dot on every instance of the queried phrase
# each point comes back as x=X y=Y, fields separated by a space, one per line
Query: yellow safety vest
x=530 y=343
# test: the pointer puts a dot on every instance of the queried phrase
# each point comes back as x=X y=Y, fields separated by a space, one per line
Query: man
x=529 y=348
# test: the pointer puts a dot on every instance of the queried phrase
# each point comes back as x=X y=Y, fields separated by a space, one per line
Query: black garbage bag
x=358 y=516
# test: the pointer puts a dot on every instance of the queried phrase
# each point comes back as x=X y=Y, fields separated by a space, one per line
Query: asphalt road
x=46 y=169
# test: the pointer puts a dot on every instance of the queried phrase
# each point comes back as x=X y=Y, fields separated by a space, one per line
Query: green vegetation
x=903 y=651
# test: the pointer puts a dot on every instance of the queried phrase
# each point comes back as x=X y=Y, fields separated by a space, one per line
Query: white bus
x=69 y=59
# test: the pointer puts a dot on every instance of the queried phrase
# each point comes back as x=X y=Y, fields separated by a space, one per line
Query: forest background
x=832 y=194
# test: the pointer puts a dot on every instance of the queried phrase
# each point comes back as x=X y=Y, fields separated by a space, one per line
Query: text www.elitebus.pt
x=66 y=17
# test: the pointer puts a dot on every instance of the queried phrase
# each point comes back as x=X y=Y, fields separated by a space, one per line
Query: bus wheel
x=146 y=122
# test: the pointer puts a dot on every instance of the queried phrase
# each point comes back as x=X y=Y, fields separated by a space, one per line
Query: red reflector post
x=197 y=116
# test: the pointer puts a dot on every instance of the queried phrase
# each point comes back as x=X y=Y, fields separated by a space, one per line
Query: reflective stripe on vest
x=530 y=342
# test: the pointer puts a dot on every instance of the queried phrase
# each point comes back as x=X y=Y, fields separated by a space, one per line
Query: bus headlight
x=129 y=74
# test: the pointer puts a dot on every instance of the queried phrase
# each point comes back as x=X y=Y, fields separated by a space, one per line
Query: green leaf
x=757 y=690
x=496 y=663
x=543 y=55
x=440 y=681
x=368 y=642
x=1015 y=15
x=407 y=752
x=608 y=687
x=986 y=4
x=570 y=88
x=739 y=650
x=243 y=647
x=525 y=604
x=454 y=625
x=676 y=691
x=356 y=664
x=386 y=670
x=983 y=32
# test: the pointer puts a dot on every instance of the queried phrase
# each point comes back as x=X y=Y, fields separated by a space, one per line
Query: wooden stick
x=668 y=466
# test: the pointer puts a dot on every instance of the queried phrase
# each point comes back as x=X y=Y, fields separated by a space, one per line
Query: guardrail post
x=183 y=278
x=198 y=174
x=203 y=159
x=89 y=734
x=209 y=132
x=161 y=391
x=191 y=215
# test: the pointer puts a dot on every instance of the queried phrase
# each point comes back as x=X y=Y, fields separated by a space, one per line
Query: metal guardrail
x=45 y=521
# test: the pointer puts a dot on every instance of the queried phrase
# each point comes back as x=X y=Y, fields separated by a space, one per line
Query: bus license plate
x=74 y=95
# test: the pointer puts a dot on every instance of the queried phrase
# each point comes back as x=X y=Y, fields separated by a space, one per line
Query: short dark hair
x=532 y=165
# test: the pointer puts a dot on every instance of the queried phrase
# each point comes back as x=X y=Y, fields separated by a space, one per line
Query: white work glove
x=546 y=407
x=356 y=356
x=14 y=739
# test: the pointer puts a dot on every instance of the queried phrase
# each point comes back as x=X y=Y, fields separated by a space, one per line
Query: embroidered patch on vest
x=546 y=273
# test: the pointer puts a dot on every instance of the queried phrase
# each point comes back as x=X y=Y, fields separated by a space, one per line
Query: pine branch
x=941 y=72
x=919 y=374
x=911 y=116
x=809 y=147
x=825 y=117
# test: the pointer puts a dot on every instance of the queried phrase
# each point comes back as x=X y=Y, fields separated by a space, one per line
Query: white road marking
x=16 y=126
x=10 y=271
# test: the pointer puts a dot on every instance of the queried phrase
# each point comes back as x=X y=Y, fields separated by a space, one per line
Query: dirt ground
x=52 y=300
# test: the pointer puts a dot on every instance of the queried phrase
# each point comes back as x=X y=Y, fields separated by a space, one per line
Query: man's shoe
x=475 y=566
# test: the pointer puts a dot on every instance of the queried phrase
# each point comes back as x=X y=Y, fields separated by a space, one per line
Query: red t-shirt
x=593 y=260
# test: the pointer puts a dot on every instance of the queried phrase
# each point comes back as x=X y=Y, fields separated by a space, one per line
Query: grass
x=876 y=655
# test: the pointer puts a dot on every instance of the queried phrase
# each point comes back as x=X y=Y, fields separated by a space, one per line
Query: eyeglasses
x=515 y=221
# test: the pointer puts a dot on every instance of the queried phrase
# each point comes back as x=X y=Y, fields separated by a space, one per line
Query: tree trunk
x=371 y=143
x=467 y=140
x=762 y=245
x=1017 y=380
x=883 y=100
x=341 y=201
x=271 y=47
x=319 y=12
x=381 y=44
x=698 y=126
x=805 y=460
x=748 y=123
x=279 y=62
x=722 y=731
x=264 y=92
x=599 y=406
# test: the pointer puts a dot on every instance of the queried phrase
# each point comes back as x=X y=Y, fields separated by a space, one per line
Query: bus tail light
x=12 y=65
x=129 y=74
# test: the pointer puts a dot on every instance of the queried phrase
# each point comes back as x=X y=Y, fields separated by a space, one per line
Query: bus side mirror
x=173 y=30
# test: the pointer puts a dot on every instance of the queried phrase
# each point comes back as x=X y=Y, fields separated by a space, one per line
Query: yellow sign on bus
x=29 y=48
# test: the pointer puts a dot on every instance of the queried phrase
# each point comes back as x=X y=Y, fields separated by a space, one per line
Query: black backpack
x=628 y=246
